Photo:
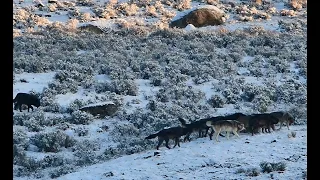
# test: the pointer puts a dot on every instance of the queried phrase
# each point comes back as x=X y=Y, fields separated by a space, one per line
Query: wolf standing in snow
x=226 y=125
x=169 y=133
x=27 y=99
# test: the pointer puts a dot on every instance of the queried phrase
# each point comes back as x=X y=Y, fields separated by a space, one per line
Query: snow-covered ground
x=205 y=159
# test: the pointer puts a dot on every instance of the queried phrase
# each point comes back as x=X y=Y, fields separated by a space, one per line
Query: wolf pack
x=232 y=123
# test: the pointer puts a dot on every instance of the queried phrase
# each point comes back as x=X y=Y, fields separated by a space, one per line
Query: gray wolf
x=27 y=99
x=226 y=125
x=170 y=133
x=283 y=117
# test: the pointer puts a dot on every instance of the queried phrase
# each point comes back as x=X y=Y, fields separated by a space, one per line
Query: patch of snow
x=35 y=82
x=102 y=78
x=190 y=27
x=65 y=99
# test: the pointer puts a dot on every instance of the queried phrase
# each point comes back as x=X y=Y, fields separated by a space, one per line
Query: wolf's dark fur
x=27 y=99
x=264 y=121
x=170 y=133
x=199 y=126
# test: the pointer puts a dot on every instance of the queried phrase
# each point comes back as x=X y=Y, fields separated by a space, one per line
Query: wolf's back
x=152 y=136
x=183 y=122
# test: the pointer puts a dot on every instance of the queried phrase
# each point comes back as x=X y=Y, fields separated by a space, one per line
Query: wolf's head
x=240 y=126
x=290 y=118
x=37 y=103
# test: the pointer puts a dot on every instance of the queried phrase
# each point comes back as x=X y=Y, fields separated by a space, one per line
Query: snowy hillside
x=151 y=74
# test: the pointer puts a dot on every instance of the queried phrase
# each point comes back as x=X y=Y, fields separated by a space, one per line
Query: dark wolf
x=26 y=99
x=195 y=126
x=283 y=117
x=264 y=121
x=170 y=133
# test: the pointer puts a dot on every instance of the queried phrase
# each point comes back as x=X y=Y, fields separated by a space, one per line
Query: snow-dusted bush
x=52 y=161
x=124 y=130
x=52 y=141
x=135 y=145
x=128 y=9
x=162 y=95
x=19 y=118
x=261 y=103
x=269 y=167
x=85 y=2
x=33 y=125
x=121 y=87
x=231 y=96
x=299 y=113
x=81 y=131
x=66 y=169
x=62 y=88
x=20 y=138
x=249 y=171
x=80 y=117
x=216 y=101
x=74 y=106
x=19 y=154
x=84 y=152
x=183 y=5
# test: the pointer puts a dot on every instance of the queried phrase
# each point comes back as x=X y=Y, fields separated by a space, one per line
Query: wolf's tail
x=209 y=123
x=183 y=122
x=152 y=136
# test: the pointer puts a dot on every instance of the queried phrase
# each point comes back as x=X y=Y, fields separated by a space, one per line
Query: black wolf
x=27 y=99
x=199 y=126
x=170 y=133
x=264 y=121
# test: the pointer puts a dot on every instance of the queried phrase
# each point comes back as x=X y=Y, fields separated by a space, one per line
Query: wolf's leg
x=273 y=127
x=159 y=143
x=20 y=107
x=200 y=133
x=217 y=135
x=167 y=143
x=228 y=134
x=176 y=142
x=185 y=138
x=287 y=124
x=235 y=133
x=280 y=125
x=207 y=129
x=252 y=130
x=211 y=133
x=269 y=129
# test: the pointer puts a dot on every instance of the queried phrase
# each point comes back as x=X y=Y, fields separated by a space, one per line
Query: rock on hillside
x=101 y=109
x=199 y=17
